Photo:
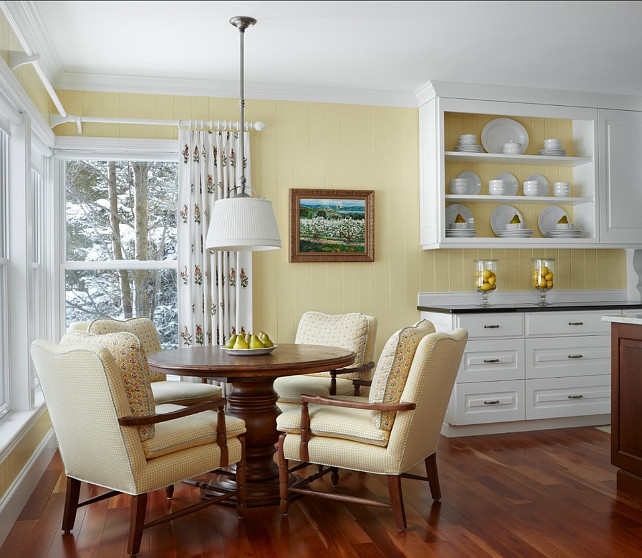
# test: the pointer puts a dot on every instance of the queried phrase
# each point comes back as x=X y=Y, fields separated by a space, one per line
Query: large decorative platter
x=543 y=184
x=473 y=183
x=501 y=216
x=250 y=352
x=503 y=130
x=510 y=181
x=549 y=217
x=454 y=209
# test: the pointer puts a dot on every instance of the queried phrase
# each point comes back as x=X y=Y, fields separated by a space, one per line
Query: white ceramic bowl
x=561 y=189
x=553 y=143
x=496 y=187
x=458 y=226
x=512 y=148
x=514 y=226
x=531 y=188
x=458 y=186
x=564 y=226
x=468 y=139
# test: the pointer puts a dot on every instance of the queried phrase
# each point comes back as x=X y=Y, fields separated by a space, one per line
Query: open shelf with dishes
x=537 y=159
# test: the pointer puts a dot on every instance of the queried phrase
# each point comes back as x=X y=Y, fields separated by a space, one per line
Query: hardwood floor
x=550 y=493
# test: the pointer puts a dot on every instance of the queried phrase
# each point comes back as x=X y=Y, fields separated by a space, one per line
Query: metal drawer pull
x=494 y=402
x=575 y=323
x=495 y=326
x=575 y=396
x=490 y=360
x=575 y=356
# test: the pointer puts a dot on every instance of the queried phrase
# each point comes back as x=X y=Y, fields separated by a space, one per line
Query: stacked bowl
x=467 y=143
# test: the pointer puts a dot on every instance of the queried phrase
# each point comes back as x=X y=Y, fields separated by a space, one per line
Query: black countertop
x=530 y=307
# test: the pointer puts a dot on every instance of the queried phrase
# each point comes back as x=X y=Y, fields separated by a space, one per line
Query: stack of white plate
x=469 y=148
x=553 y=147
x=568 y=233
x=515 y=233
x=468 y=144
x=461 y=233
x=553 y=152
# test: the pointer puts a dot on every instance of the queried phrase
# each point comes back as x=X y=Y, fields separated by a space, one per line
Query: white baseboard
x=16 y=497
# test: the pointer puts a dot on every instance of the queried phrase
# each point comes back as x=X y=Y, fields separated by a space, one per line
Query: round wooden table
x=253 y=398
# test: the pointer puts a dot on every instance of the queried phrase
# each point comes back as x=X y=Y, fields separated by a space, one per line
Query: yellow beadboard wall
x=324 y=145
x=26 y=74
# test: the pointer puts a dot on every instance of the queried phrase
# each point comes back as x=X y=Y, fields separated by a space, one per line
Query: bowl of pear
x=249 y=344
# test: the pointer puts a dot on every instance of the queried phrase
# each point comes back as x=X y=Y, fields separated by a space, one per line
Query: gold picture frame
x=331 y=225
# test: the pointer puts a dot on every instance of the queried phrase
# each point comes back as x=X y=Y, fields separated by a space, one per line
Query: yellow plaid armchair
x=388 y=433
x=353 y=331
x=111 y=434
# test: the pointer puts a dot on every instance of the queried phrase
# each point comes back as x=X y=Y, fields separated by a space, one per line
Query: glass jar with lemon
x=485 y=278
x=543 y=279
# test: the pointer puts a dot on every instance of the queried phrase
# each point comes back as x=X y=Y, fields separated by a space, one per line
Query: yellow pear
x=241 y=343
x=230 y=343
x=255 y=343
x=265 y=339
x=515 y=219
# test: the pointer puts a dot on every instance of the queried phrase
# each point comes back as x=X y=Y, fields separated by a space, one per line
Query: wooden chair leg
x=283 y=476
x=169 y=491
x=240 y=481
x=334 y=476
x=71 y=504
x=396 y=500
x=139 y=506
x=433 y=476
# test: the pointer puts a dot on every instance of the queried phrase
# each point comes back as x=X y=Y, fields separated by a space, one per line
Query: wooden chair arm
x=355 y=369
x=321 y=400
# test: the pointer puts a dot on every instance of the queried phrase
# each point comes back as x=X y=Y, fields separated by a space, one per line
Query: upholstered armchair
x=395 y=428
x=353 y=331
x=111 y=434
x=165 y=391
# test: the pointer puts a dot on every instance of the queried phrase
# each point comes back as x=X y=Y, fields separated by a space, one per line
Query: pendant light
x=242 y=222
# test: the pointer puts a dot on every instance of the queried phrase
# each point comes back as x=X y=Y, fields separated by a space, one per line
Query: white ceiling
x=364 y=51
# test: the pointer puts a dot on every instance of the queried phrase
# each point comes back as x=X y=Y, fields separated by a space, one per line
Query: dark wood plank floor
x=549 y=493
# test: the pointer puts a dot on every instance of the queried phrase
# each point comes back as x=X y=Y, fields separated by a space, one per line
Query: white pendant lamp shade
x=243 y=223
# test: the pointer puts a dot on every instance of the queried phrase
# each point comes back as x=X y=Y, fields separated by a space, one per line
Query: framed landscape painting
x=331 y=225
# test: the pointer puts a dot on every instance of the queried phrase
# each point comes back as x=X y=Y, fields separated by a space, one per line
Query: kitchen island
x=626 y=405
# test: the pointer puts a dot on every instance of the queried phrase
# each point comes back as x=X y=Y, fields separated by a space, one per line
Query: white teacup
x=496 y=187
x=552 y=144
x=458 y=186
x=561 y=189
x=531 y=188
x=512 y=148
x=468 y=139
x=564 y=226
x=514 y=226
x=458 y=226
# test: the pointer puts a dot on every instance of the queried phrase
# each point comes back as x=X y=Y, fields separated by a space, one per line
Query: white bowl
x=468 y=139
x=512 y=148
x=496 y=187
x=564 y=226
x=553 y=143
x=531 y=188
x=514 y=226
x=458 y=226
x=458 y=186
x=561 y=189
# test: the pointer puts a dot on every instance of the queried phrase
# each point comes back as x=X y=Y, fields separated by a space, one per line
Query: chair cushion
x=336 y=422
x=348 y=331
x=131 y=361
x=188 y=432
x=290 y=388
x=392 y=369
x=143 y=328
x=183 y=393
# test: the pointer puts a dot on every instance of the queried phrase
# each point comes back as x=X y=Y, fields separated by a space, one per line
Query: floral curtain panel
x=214 y=288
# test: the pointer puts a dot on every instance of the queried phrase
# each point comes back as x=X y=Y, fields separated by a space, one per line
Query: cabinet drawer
x=492 y=325
x=568 y=323
x=548 y=357
x=568 y=397
x=487 y=360
x=487 y=402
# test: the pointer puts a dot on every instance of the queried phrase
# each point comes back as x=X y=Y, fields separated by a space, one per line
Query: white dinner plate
x=575 y=233
x=549 y=217
x=510 y=181
x=469 y=148
x=520 y=234
x=473 y=183
x=543 y=184
x=502 y=216
x=250 y=352
x=503 y=130
x=451 y=214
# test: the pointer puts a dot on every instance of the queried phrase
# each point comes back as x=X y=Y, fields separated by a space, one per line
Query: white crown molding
x=216 y=88
x=27 y=24
x=514 y=94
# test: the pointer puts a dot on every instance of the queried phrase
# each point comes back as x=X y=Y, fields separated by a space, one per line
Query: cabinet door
x=620 y=177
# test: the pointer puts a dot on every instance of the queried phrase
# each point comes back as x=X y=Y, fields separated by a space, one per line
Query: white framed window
x=120 y=235
x=4 y=294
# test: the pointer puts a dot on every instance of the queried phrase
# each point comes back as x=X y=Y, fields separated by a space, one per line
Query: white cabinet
x=620 y=160
x=519 y=367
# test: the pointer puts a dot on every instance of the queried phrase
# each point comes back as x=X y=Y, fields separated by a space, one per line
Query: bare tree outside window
x=122 y=211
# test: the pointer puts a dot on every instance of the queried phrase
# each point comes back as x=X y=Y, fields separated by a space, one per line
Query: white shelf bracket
x=18 y=58
x=56 y=119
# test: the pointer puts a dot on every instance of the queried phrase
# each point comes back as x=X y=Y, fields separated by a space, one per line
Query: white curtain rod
x=218 y=125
